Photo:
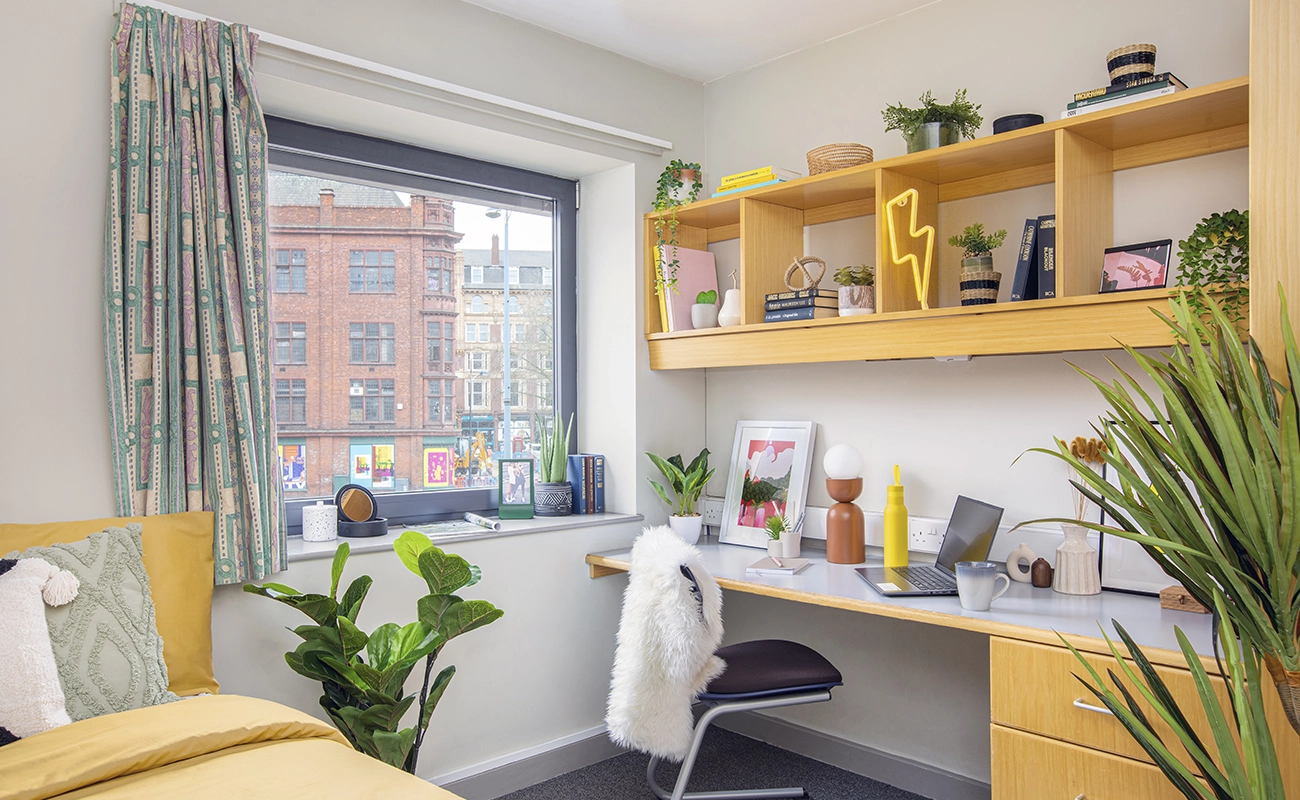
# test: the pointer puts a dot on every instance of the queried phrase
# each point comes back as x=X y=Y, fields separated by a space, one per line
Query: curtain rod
x=375 y=67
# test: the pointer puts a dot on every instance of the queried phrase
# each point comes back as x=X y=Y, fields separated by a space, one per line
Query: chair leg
x=683 y=777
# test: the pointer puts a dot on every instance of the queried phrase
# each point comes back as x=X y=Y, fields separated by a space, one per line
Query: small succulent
x=707 y=298
x=777 y=525
x=975 y=242
x=860 y=275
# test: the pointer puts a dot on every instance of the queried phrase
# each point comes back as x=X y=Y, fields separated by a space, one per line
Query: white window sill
x=300 y=550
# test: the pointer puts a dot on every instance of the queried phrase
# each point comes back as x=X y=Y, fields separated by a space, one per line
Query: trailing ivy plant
x=1217 y=253
x=364 y=675
x=670 y=183
x=960 y=114
x=974 y=242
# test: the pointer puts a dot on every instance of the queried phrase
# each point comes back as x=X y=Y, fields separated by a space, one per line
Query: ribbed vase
x=1076 y=563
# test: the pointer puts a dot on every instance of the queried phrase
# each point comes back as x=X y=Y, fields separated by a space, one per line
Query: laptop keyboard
x=926 y=577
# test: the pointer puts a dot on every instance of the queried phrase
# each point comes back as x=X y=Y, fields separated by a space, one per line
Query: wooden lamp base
x=845 y=525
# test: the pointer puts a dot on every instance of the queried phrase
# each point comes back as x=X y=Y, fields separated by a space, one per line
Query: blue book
x=574 y=475
x=1025 y=284
x=784 y=315
x=726 y=192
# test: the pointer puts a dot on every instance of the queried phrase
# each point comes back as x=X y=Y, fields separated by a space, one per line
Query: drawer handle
x=1080 y=797
x=1096 y=709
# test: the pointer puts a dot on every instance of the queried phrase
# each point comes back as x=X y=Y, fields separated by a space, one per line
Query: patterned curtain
x=185 y=287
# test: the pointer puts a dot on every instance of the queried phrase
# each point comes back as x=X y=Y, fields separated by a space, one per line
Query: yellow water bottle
x=895 y=525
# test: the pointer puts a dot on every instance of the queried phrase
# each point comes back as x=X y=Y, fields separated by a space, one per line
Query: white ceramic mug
x=975 y=582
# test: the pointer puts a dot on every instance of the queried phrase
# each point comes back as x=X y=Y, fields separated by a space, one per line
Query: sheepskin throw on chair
x=670 y=628
x=31 y=698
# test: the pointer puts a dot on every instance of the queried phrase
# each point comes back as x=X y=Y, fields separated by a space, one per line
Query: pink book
x=696 y=272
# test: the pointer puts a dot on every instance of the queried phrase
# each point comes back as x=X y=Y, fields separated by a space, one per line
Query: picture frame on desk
x=1125 y=565
x=770 y=465
x=515 y=488
x=1136 y=266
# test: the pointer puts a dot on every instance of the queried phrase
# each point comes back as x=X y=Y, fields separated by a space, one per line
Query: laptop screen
x=970 y=533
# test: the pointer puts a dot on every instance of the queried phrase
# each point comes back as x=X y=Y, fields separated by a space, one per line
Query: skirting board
x=913 y=776
x=542 y=762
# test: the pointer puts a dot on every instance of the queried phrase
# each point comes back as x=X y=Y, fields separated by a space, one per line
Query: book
x=573 y=473
x=1142 y=89
x=1046 y=256
x=802 y=302
x=696 y=272
x=1116 y=88
x=1116 y=103
x=767 y=566
x=799 y=313
x=598 y=496
x=659 y=291
x=760 y=173
x=793 y=294
x=1024 y=286
x=738 y=189
x=589 y=483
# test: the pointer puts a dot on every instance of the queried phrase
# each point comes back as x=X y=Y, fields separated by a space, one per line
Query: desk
x=1043 y=744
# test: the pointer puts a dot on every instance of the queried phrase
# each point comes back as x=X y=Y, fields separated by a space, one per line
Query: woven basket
x=980 y=288
x=841 y=155
x=1131 y=61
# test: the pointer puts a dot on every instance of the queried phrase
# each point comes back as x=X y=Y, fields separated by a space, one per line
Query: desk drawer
x=1029 y=767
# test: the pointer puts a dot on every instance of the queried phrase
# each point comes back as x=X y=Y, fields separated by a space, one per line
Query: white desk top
x=1023 y=612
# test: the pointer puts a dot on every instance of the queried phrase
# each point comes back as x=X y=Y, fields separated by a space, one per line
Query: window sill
x=300 y=550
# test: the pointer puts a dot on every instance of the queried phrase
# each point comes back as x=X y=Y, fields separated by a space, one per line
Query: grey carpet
x=727 y=761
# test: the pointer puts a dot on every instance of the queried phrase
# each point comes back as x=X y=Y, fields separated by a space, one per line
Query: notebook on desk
x=970 y=533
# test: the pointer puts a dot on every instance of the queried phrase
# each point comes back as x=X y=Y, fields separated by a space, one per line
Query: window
x=476 y=361
x=291 y=270
x=290 y=401
x=477 y=332
x=476 y=305
x=476 y=394
x=475 y=275
x=371 y=400
x=517 y=361
x=371 y=342
x=433 y=401
x=513 y=305
x=370 y=271
x=433 y=275
x=516 y=398
x=514 y=275
x=291 y=343
x=545 y=397
x=518 y=331
x=546 y=361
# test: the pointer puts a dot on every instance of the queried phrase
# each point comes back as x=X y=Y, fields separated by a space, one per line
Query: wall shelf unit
x=1078 y=155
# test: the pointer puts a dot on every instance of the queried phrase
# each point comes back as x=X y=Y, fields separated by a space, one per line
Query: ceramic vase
x=553 y=499
x=704 y=315
x=857 y=300
x=1020 y=563
x=687 y=527
x=1076 y=563
x=729 y=314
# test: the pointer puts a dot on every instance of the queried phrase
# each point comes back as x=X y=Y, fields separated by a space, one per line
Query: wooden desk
x=1043 y=744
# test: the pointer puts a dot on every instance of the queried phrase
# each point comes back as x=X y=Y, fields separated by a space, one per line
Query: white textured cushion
x=31 y=699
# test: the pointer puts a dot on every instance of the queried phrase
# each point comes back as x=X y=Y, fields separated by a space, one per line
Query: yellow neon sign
x=921 y=277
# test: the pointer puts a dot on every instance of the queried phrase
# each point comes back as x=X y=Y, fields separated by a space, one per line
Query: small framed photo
x=515 y=488
x=770 y=464
x=1136 y=266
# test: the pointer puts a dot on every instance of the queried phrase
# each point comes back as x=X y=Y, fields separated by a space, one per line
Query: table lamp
x=845 y=525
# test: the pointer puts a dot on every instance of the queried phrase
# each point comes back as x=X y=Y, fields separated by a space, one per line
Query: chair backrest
x=670 y=627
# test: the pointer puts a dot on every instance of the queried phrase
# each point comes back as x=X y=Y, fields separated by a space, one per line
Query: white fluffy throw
x=666 y=640
x=31 y=699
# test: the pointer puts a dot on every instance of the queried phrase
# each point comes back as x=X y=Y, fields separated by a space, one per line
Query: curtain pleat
x=186 y=298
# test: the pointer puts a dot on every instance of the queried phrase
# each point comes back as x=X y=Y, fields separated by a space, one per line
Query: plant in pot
x=364 y=675
x=979 y=282
x=553 y=495
x=1210 y=491
x=682 y=494
x=776 y=526
x=704 y=313
x=857 y=294
x=670 y=193
x=1217 y=254
x=934 y=124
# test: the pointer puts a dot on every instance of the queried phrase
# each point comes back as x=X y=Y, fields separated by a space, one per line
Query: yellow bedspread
x=221 y=747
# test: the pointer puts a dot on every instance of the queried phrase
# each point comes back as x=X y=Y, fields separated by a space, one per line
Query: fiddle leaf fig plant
x=364 y=675
x=671 y=181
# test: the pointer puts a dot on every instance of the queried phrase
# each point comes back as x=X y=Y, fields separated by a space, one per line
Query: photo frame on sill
x=515 y=488
x=1125 y=565
x=770 y=465
x=1136 y=266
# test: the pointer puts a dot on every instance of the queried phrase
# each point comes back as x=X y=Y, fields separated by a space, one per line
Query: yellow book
x=748 y=176
x=659 y=290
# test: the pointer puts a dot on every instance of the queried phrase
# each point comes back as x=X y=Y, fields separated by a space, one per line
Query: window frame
x=297 y=146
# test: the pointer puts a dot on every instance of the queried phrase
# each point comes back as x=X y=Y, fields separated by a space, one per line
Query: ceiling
x=702 y=39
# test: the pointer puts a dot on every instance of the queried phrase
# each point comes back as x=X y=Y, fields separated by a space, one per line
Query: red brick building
x=364 y=309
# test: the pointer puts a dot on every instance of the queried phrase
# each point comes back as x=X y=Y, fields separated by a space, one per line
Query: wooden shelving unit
x=1078 y=155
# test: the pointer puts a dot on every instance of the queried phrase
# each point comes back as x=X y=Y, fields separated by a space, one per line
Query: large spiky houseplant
x=1217 y=506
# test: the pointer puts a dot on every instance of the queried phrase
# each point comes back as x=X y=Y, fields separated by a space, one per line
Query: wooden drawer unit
x=1030 y=767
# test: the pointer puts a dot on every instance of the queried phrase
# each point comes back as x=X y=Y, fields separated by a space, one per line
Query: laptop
x=969 y=537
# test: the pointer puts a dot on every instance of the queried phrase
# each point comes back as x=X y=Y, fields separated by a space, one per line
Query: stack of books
x=1123 y=93
x=812 y=303
x=586 y=473
x=754 y=178
x=1035 y=277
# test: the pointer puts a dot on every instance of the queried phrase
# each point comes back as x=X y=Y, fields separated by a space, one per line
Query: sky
x=527 y=231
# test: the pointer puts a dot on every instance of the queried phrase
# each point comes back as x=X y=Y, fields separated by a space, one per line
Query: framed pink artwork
x=770 y=464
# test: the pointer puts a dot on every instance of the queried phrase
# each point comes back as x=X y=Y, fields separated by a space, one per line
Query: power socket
x=713 y=511
x=924 y=535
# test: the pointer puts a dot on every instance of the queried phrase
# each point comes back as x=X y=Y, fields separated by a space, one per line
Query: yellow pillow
x=178 y=558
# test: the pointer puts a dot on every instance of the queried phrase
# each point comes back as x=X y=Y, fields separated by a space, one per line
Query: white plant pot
x=775 y=549
x=704 y=315
x=687 y=527
x=729 y=314
x=790 y=544
x=857 y=300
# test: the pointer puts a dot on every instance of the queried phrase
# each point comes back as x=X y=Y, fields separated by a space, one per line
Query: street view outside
x=390 y=336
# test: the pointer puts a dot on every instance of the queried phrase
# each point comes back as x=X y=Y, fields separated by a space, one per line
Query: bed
x=207 y=745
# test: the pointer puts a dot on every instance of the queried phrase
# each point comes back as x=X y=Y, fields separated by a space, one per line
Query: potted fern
x=553 y=495
x=934 y=124
x=682 y=494
x=670 y=193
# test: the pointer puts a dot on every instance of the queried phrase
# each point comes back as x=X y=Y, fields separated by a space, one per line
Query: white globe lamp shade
x=842 y=462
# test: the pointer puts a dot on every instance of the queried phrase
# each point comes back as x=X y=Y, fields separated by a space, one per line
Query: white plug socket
x=713 y=511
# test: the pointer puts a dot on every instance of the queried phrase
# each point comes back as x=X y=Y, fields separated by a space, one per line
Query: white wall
x=953 y=427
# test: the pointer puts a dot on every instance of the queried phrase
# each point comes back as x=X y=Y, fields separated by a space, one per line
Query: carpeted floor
x=727 y=761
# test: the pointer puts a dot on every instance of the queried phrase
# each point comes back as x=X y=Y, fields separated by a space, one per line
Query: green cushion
x=106 y=642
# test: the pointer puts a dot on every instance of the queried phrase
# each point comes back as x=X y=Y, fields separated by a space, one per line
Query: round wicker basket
x=979 y=288
x=841 y=155
x=1131 y=61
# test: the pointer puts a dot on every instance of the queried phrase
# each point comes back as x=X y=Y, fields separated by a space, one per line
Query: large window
x=415 y=389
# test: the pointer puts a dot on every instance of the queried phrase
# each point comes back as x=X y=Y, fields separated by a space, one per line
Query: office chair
x=671 y=590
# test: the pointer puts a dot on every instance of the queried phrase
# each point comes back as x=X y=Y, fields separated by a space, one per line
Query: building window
x=546 y=361
x=476 y=361
x=432 y=275
x=516 y=399
x=517 y=361
x=371 y=400
x=513 y=305
x=448 y=392
x=291 y=270
x=545 y=397
x=518 y=332
x=476 y=305
x=433 y=342
x=434 y=401
x=476 y=274
x=290 y=400
x=476 y=394
x=371 y=342
x=477 y=332
x=291 y=343
x=514 y=276
x=370 y=271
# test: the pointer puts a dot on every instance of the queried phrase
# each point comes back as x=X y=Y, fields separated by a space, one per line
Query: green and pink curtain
x=185 y=290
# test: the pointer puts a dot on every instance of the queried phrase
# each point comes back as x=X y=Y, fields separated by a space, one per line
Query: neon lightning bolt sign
x=921 y=277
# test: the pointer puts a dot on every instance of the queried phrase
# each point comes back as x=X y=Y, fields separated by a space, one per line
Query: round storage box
x=359 y=512
x=1014 y=122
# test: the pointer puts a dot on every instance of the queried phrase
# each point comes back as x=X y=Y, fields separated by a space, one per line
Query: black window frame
x=311 y=149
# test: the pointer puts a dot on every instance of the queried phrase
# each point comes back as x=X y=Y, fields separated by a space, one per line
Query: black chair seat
x=770 y=667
